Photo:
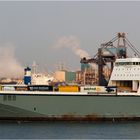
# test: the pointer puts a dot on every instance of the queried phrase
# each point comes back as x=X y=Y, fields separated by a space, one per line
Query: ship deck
x=69 y=93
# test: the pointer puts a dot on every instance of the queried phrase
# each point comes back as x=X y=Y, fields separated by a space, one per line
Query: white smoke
x=9 y=65
x=73 y=43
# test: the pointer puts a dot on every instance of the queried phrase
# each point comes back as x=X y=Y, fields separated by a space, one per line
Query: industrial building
x=65 y=76
x=87 y=75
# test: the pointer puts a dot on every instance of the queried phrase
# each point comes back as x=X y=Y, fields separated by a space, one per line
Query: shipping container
x=111 y=89
x=40 y=88
x=92 y=89
x=68 y=89
x=98 y=89
x=21 y=88
x=8 y=88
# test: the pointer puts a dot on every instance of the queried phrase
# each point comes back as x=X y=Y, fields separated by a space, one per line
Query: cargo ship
x=119 y=100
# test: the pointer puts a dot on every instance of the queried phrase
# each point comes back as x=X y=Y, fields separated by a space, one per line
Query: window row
x=128 y=69
x=127 y=75
x=127 y=63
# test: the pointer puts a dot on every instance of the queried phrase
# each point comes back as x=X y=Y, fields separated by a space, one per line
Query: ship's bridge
x=127 y=62
x=126 y=74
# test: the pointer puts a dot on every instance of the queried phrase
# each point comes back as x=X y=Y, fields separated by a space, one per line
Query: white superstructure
x=126 y=75
x=41 y=79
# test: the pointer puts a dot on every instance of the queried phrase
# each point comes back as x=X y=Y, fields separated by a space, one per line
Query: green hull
x=69 y=107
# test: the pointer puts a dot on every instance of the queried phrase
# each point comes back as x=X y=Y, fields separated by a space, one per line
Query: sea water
x=69 y=130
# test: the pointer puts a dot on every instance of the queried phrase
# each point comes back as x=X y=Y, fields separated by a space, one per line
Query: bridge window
x=127 y=63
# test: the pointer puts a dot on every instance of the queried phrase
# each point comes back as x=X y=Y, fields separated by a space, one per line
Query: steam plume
x=73 y=43
x=9 y=66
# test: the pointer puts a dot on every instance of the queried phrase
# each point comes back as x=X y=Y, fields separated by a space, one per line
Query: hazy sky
x=35 y=30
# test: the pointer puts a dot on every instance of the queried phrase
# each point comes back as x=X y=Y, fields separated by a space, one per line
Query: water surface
x=69 y=130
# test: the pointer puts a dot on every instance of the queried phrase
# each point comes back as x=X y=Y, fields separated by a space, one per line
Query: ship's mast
x=34 y=66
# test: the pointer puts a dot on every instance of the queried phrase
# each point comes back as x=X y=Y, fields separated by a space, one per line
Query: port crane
x=108 y=53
